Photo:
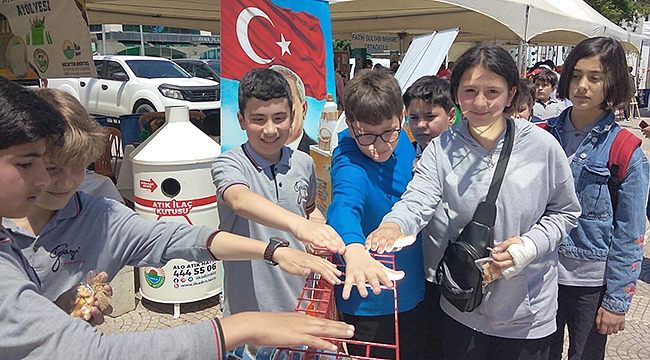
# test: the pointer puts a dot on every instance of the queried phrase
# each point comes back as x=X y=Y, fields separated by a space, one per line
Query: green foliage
x=342 y=44
x=622 y=12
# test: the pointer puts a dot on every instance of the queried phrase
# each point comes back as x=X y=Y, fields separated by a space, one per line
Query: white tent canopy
x=543 y=22
x=598 y=25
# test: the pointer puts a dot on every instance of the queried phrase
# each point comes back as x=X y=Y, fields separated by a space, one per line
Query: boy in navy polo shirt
x=546 y=106
x=267 y=191
x=370 y=170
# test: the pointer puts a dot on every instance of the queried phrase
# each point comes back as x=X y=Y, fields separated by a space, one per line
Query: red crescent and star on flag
x=258 y=34
x=243 y=20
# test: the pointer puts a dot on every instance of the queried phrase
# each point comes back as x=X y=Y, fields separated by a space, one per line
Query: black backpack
x=458 y=277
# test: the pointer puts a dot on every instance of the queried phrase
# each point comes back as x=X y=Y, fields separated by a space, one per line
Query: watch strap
x=274 y=244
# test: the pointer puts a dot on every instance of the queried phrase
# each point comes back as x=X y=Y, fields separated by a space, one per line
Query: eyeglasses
x=389 y=136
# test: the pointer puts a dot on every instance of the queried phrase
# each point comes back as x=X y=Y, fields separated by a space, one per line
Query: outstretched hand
x=320 y=235
x=298 y=262
x=282 y=329
x=361 y=268
x=384 y=237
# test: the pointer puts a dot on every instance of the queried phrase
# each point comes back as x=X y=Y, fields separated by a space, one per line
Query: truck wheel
x=144 y=107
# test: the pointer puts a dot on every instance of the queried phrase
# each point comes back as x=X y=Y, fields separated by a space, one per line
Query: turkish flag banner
x=257 y=33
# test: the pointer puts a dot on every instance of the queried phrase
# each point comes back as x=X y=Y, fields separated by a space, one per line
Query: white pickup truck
x=139 y=84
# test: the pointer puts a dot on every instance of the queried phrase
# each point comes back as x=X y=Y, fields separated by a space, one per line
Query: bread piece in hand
x=88 y=294
x=83 y=303
x=101 y=294
x=490 y=273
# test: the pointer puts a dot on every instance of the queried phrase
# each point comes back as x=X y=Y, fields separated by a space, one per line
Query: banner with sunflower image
x=44 y=39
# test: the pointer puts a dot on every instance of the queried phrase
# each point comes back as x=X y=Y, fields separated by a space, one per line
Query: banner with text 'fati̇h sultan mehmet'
x=290 y=36
x=44 y=39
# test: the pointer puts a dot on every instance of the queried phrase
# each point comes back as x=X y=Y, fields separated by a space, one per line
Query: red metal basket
x=317 y=299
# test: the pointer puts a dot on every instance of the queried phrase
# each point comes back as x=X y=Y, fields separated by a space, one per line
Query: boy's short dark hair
x=372 y=97
x=550 y=64
x=618 y=89
x=25 y=117
x=547 y=76
x=431 y=89
x=264 y=84
x=525 y=94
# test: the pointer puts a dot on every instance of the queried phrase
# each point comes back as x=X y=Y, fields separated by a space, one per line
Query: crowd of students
x=563 y=252
x=47 y=140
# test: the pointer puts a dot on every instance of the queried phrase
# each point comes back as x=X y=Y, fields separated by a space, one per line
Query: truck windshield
x=216 y=66
x=151 y=69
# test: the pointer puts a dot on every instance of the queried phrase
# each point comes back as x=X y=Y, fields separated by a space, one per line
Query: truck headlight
x=171 y=93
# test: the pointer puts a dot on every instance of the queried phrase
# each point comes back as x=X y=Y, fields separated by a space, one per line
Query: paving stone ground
x=633 y=343
x=149 y=315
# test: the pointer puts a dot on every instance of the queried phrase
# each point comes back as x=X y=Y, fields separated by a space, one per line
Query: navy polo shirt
x=291 y=184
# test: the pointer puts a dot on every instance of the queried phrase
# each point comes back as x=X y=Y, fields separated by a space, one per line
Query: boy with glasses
x=370 y=170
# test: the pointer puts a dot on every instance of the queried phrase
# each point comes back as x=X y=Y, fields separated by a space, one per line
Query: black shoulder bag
x=459 y=279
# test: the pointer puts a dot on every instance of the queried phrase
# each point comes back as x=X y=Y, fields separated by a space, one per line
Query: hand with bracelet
x=227 y=246
x=296 y=262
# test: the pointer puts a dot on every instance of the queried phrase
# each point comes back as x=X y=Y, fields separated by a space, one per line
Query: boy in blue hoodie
x=370 y=170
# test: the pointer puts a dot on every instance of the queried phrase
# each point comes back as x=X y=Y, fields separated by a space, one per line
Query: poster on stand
x=424 y=56
x=44 y=39
x=290 y=36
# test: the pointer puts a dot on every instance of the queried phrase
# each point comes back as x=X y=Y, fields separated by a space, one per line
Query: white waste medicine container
x=172 y=182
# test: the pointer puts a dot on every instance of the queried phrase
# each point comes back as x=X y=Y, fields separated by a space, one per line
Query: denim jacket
x=602 y=235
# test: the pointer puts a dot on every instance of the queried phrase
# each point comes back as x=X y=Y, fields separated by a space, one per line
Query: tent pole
x=103 y=39
x=520 y=59
x=523 y=45
x=141 y=42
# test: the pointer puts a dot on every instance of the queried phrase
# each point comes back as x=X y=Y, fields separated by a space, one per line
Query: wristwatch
x=274 y=244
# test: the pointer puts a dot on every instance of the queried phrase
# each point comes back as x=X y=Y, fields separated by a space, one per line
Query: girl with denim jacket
x=600 y=260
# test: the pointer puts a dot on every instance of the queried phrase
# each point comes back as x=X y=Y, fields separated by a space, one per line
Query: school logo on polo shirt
x=302 y=188
x=64 y=255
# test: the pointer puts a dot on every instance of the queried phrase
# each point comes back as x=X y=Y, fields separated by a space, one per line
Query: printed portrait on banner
x=293 y=37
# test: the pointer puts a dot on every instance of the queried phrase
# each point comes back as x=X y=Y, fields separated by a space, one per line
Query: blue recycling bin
x=212 y=123
x=130 y=129
x=101 y=119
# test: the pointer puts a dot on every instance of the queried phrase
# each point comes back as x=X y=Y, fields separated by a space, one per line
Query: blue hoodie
x=363 y=191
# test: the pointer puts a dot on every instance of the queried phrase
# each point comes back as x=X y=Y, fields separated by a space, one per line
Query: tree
x=622 y=12
x=341 y=44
